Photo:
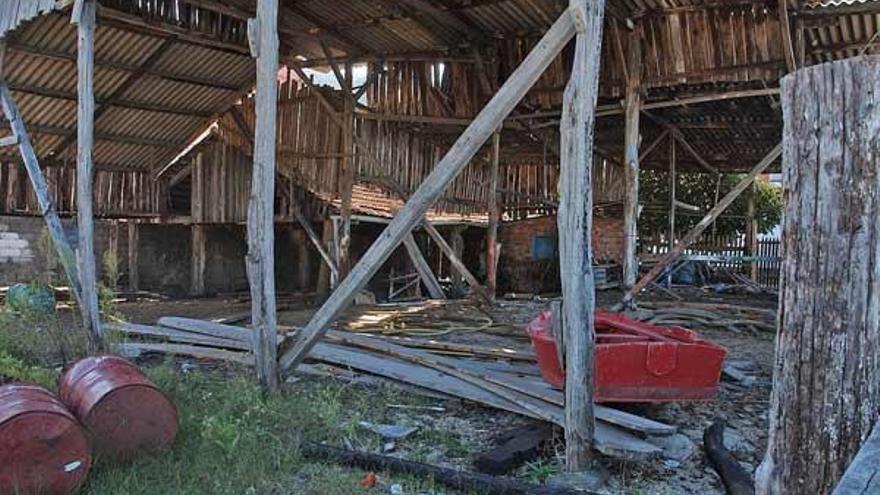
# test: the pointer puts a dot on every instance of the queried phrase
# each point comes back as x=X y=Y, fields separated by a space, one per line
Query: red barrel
x=43 y=448
x=124 y=411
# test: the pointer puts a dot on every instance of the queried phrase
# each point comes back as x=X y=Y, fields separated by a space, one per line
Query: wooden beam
x=85 y=120
x=349 y=44
x=672 y=201
x=494 y=208
x=260 y=224
x=134 y=105
x=656 y=142
x=313 y=236
x=47 y=207
x=631 y=159
x=131 y=22
x=424 y=269
x=575 y=228
x=456 y=261
x=785 y=32
x=134 y=236
x=707 y=220
x=679 y=136
x=446 y=170
x=8 y=141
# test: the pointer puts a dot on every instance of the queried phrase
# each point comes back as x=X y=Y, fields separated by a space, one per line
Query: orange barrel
x=43 y=448
x=124 y=411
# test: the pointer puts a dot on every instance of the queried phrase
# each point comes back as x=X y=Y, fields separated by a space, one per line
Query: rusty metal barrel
x=126 y=414
x=43 y=448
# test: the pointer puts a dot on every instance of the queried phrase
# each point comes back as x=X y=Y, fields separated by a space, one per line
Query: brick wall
x=521 y=271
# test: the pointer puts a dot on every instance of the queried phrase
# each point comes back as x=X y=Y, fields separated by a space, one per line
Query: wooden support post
x=325 y=274
x=698 y=229
x=50 y=215
x=113 y=248
x=421 y=265
x=752 y=231
x=458 y=156
x=85 y=125
x=134 y=237
x=346 y=177
x=260 y=221
x=825 y=397
x=456 y=242
x=631 y=159
x=672 y=207
x=494 y=218
x=199 y=259
x=575 y=229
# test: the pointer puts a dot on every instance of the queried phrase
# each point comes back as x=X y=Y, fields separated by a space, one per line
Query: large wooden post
x=825 y=393
x=752 y=231
x=199 y=259
x=326 y=274
x=494 y=218
x=458 y=156
x=85 y=124
x=346 y=177
x=260 y=222
x=575 y=225
x=632 y=108
x=134 y=237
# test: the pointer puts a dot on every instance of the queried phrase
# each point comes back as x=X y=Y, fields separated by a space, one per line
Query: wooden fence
x=732 y=254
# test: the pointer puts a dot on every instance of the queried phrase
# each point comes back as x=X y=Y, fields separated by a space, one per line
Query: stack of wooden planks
x=495 y=377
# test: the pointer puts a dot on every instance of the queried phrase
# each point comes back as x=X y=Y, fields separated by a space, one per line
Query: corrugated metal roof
x=145 y=114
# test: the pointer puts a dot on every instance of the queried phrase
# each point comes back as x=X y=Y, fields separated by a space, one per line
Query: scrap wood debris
x=483 y=378
x=425 y=319
x=700 y=316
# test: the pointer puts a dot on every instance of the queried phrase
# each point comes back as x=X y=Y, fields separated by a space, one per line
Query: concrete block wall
x=520 y=271
x=21 y=255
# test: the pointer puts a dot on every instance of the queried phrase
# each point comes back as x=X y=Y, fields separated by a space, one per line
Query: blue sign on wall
x=544 y=247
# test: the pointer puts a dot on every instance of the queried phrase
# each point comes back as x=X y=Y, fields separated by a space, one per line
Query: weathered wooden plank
x=260 y=221
x=424 y=269
x=175 y=335
x=609 y=439
x=432 y=187
x=207 y=328
x=85 y=124
x=575 y=221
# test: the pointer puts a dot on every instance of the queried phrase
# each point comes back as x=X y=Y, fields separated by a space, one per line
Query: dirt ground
x=744 y=407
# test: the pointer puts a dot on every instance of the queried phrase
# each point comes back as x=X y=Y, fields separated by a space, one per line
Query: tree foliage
x=698 y=189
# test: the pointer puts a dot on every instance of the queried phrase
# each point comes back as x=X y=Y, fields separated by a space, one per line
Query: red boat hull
x=637 y=361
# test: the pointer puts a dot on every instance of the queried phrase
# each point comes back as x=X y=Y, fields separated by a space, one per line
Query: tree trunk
x=826 y=394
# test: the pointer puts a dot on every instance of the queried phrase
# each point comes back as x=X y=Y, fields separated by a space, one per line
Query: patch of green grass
x=538 y=471
x=15 y=370
x=235 y=439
